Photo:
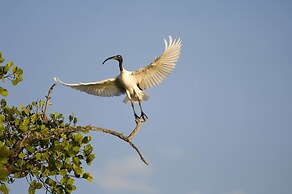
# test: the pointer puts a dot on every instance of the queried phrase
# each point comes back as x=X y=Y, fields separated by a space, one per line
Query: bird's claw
x=136 y=116
x=143 y=117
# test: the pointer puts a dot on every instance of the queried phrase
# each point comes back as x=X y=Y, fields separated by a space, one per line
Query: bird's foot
x=136 y=116
x=143 y=117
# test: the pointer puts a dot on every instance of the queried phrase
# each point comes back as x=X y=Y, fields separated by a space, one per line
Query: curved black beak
x=113 y=57
x=119 y=58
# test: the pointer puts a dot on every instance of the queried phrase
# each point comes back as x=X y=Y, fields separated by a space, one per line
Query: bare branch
x=136 y=129
x=137 y=150
x=127 y=139
x=48 y=101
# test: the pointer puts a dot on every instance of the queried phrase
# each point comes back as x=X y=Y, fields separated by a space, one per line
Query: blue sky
x=219 y=124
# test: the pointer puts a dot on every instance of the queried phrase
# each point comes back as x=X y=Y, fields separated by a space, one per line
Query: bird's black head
x=119 y=58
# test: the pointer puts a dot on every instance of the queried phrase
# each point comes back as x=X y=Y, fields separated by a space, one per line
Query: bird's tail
x=142 y=96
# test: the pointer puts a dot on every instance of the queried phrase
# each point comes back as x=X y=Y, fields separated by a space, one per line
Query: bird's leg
x=136 y=116
x=143 y=115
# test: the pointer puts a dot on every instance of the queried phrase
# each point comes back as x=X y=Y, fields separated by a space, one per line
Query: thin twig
x=48 y=101
x=127 y=139
x=136 y=129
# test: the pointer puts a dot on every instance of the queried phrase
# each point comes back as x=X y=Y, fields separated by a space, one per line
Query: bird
x=133 y=83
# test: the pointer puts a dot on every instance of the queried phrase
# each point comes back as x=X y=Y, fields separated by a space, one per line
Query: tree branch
x=136 y=129
x=48 y=101
x=28 y=137
x=127 y=139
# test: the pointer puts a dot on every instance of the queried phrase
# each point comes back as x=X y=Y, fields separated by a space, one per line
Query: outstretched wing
x=153 y=74
x=109 y=87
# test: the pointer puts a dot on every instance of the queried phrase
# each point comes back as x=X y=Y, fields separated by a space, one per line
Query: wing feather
x=161 y=67
x=109 y=87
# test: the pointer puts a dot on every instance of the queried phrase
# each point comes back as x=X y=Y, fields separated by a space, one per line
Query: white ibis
x=132 y=83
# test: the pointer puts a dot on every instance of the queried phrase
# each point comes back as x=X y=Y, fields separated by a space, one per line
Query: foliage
x=10 y=72
x=46 y=150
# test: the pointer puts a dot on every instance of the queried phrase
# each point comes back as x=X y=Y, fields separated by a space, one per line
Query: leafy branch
x=127 y=139
x=10 y=72
x=46 y=149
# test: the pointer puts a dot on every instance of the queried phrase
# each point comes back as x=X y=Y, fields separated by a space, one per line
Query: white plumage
x=132 y=83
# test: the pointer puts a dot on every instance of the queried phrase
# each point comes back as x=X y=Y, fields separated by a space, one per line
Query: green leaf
x=4 y=189
x=86 y=139
x=90 y=158
x=9 y=64
x=87 y=176
x=1 y=129
x=14 y=82
x=63 y=180
x=3 y=92
x=73 y=187
x=4 y=150
x=76 y=148
x=21 y=107
x=14 y=68
x=49 y=181
x=38 y=156
x=56 y=115
x=76 y=160
x=17 y=174
x=31 y=189
x=58 y=164
x=63 y=172
x=10 y=143
x=23 y=127
x=75 y=120
x=70 y=118
x=29 y=148
x=26 y=121
x=90 y=179
x=44 y=129
x=2 y=118
x=34 y=117
x=87 y=149
x=60 y=155
x=41 y=103
x=6 y=69
x=3 y=102
x=19 y=78
x=3 y=174
x=68 y=166
x=21 y=155
x=26 y=111
x=77 y=170
x=35 y=171
x=38 y=186
x=19 y=71
x=78 y=138
x=34 y=103
x=70 y=181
